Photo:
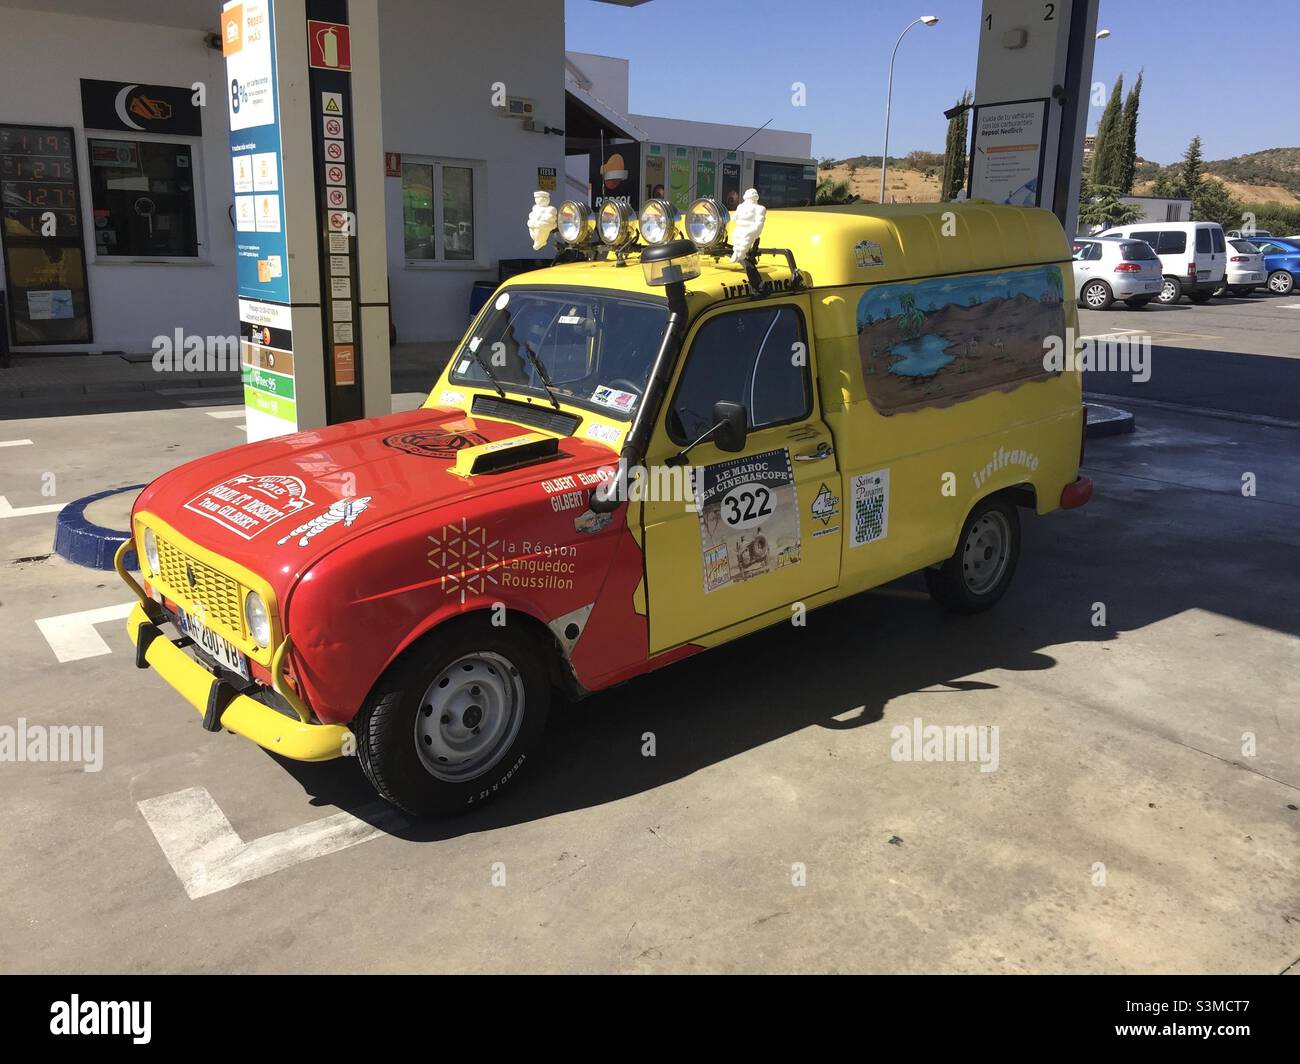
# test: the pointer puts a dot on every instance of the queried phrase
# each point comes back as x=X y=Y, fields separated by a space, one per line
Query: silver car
x=1111 y=268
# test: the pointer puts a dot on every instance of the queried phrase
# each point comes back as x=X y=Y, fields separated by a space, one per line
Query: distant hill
x=1269 y=176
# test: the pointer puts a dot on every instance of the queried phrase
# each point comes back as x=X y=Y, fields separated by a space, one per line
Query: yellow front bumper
x=243 y=715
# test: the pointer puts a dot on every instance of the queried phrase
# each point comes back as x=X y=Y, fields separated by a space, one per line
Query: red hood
x=278 y=506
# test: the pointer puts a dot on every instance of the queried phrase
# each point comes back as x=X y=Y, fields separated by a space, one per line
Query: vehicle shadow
x=1146 y=551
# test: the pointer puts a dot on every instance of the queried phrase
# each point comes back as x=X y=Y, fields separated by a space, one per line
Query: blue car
x=1281 y=262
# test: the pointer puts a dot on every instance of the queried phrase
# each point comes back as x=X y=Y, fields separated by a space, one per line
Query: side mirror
x=730 y=425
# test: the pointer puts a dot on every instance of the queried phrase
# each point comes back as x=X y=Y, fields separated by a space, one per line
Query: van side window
x=1217 y=235
x=1203 y=241
x=1152 y=238
x=1172 y=242
x=746 y=356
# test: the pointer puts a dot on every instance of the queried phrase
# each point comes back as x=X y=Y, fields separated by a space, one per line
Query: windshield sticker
x=749 y=518
x=439 y=444
x=612 y=397
x=449 y=398
x=345 y=510
x=502 y=300
x=870 y=507
x=603 y=433
x=249 y=504
x=571 y=319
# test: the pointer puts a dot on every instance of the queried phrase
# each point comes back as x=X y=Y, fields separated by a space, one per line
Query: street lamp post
x=928 y=20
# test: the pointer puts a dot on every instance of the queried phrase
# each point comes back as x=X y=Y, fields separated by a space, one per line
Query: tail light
x=1128 y=267
x=1239 y=258
x=1191 y=269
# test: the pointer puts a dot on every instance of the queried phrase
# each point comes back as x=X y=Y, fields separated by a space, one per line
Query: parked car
x=1245 y=234
x=1192 y=256
x=1107 y=270
x=1245 y=268
x=1281 y=263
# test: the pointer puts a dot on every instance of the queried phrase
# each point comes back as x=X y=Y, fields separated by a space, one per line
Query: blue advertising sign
x=261 y=254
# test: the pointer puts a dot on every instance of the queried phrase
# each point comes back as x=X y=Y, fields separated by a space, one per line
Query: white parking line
x=237 y=411
x=208 y=855
x=7 y=510
x=72 y=636
x=1289 y=306
x=15 y=443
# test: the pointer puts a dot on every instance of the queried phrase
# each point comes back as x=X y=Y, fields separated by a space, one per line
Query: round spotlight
x=615 y=223
x=658 y=221
x=706 y=223
x=574 y=221
x=670 y=263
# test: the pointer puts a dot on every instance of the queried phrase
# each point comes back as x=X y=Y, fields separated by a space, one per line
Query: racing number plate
x=215 y=646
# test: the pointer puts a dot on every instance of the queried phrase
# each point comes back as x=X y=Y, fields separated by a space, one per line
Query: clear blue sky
x=840 y=50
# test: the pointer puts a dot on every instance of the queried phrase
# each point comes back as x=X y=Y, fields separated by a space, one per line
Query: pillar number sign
x=329 y=55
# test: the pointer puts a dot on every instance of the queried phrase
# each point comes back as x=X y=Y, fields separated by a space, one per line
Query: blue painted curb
x=83 y=543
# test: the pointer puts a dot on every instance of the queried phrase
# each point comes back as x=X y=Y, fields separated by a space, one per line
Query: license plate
x=1253 y=276
x=1152 y=286
x=214 y=645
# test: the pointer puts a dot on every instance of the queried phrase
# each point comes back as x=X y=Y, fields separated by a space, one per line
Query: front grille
x=550 y=419
x=193 y=584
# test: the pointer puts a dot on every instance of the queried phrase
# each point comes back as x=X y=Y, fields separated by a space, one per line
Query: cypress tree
x=1109 y=140
x=1128 y=163
x=1189 y=173
x=954 y=152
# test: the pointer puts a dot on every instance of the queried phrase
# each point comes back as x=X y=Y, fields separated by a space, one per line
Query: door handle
x=824 y=450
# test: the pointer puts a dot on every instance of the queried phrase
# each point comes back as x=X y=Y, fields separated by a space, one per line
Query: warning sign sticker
x=749 y=518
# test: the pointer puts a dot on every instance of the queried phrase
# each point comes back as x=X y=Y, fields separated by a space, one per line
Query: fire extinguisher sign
x=328 y=46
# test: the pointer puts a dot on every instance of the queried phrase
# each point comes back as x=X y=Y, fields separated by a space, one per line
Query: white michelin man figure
x=345 y=510
x=749 y=219
x=541 y=219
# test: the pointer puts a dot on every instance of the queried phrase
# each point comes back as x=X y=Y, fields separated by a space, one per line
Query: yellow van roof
x=859 y=243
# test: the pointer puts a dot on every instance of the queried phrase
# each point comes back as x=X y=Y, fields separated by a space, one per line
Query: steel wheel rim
x=469 y=716
x=986 y=552
x=1167 y=292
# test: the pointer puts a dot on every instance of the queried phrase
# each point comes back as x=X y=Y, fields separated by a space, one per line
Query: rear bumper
x=1076 y=494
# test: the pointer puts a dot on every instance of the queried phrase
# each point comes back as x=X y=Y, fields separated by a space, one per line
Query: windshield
x=593 y=349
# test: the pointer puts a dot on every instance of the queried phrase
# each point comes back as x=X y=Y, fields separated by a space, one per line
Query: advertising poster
x=1006 y=159
x=655 y=187
x=749 y=518
x=617 y=175
x=266 y=362
x=705 y=176
x=729 y=189
x=679 y=178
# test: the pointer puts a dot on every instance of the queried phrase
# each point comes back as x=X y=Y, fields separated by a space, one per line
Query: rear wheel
x=1138 y=302
x=453 y=720
x=1096 y=295
x=1171 y=291
x=1280 y=282
x=980 y=571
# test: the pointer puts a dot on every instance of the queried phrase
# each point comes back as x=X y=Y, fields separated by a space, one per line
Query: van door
x=761 y=528
x=1211 y=253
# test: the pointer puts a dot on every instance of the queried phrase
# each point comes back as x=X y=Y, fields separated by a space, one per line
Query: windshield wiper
x=473 y=351
x=541 y=372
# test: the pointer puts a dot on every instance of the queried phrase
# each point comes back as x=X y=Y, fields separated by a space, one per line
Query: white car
x=1192 y=255
x=1110 y=269
x=1245 y=268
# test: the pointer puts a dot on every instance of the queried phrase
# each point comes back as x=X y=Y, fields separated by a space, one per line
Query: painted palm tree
x=911 y=318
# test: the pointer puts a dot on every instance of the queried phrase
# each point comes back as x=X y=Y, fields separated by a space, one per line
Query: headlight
x=615 y=223
x=658 y=221
x=259 y=621
x=151 y=551
x=574 y=222
x=706 y=223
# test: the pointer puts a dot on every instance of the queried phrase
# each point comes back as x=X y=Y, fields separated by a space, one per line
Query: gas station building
x=140 y=179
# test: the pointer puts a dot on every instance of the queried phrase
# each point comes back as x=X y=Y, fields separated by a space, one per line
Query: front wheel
x=980 y=571
x=1171 y=291
x=452 y=722
x=1280 y=282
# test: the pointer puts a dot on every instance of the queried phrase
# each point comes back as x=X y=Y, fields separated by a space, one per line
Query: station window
x=744 y=356
x=438 y=210
x=142 y=194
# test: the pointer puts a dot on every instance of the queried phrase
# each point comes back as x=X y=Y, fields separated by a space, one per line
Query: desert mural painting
x=941 y=340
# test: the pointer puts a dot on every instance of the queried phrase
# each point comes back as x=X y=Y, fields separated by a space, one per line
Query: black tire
x=388 y=730
x=1096 y=295
x=953 y=585
x=1281 y=282
x=1171 y=291
x=1138 y=302
x=1200 y=298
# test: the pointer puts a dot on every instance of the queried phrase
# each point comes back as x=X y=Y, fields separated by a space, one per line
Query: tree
x=954 y=152
x=831 y=191
x=1189 y=173
x=1108 y=144
x=1128 y=159
x=1167 y=186
x=1106 y=209
x=1212 y=202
